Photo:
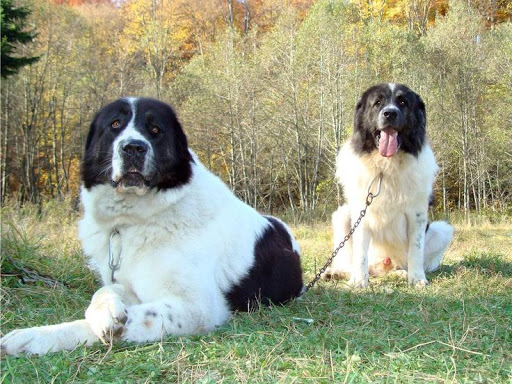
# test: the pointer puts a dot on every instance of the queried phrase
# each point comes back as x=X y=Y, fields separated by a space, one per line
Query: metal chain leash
x=369 y=200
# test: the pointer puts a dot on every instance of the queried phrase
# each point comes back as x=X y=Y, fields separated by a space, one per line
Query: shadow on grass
x=487 y=263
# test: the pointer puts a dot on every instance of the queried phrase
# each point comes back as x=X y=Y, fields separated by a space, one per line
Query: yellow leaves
x=417 y=14
x=370 y=8
x=154 y=27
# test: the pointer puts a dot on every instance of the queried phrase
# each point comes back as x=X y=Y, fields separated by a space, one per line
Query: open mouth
x=387 y=141
x=131 y=180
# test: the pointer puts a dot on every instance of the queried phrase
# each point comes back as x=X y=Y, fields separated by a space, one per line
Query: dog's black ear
x=421 y=111
x=358 y=112
x=359 y=104
x=181 y=138
x=90 y=135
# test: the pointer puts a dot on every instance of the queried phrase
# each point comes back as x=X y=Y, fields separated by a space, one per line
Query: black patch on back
x=276 y=275
x=413 y=132
x=172 y=157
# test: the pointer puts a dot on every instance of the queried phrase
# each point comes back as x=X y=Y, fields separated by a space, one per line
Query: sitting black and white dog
x=176 y=250
x=389 y=139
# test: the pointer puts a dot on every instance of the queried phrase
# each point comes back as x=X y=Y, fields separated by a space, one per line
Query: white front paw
x=30 y=341
x=107 y=316
x=417 y=280
x=358 y=282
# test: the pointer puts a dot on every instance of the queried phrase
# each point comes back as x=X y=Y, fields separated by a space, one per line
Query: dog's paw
x=358 y=282
x=31 y=341
x=334 y=274
x=417 y=281
x=107 y=316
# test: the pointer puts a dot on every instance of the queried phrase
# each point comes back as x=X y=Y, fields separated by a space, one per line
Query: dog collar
x=114 y=263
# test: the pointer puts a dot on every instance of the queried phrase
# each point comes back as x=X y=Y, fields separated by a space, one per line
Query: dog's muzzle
x=133 y=175
x=390 y=123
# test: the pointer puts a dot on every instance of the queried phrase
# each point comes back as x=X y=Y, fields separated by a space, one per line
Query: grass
x=458 y=329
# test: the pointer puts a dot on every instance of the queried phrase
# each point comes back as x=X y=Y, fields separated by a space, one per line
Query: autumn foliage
x=265 y=89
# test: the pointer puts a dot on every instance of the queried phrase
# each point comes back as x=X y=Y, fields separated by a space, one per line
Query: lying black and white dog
x=176 y=250
x=389 y=139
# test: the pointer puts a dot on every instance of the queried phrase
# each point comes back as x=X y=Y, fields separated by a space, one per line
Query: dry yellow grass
x=485 y=237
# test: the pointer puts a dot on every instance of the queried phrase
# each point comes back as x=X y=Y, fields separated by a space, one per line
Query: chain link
x=369 y=200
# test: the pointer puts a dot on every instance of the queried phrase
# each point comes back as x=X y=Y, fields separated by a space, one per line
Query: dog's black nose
x=390 y=114
x=135 y=148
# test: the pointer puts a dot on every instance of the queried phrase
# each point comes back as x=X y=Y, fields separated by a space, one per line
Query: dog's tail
x=438 y=238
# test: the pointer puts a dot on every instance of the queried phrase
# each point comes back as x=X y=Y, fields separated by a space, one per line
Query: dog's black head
x=136 y=144
x=389 y=118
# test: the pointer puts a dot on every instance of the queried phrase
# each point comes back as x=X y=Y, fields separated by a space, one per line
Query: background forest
x=265 y=90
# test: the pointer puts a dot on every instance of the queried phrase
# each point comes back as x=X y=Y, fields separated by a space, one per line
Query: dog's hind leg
x=172 y=315
x=437 y=239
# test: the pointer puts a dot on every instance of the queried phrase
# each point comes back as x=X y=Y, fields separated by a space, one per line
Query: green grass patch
x=458 y=329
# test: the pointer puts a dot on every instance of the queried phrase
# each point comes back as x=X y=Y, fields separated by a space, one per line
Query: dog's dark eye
x=116 y=124
x=402 y=101
x=377 y=103
x=155 y=130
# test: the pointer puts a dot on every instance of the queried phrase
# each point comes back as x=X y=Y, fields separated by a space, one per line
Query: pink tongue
x=388 y=143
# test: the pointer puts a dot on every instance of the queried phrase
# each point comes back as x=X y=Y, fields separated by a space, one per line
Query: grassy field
x=458 y=329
